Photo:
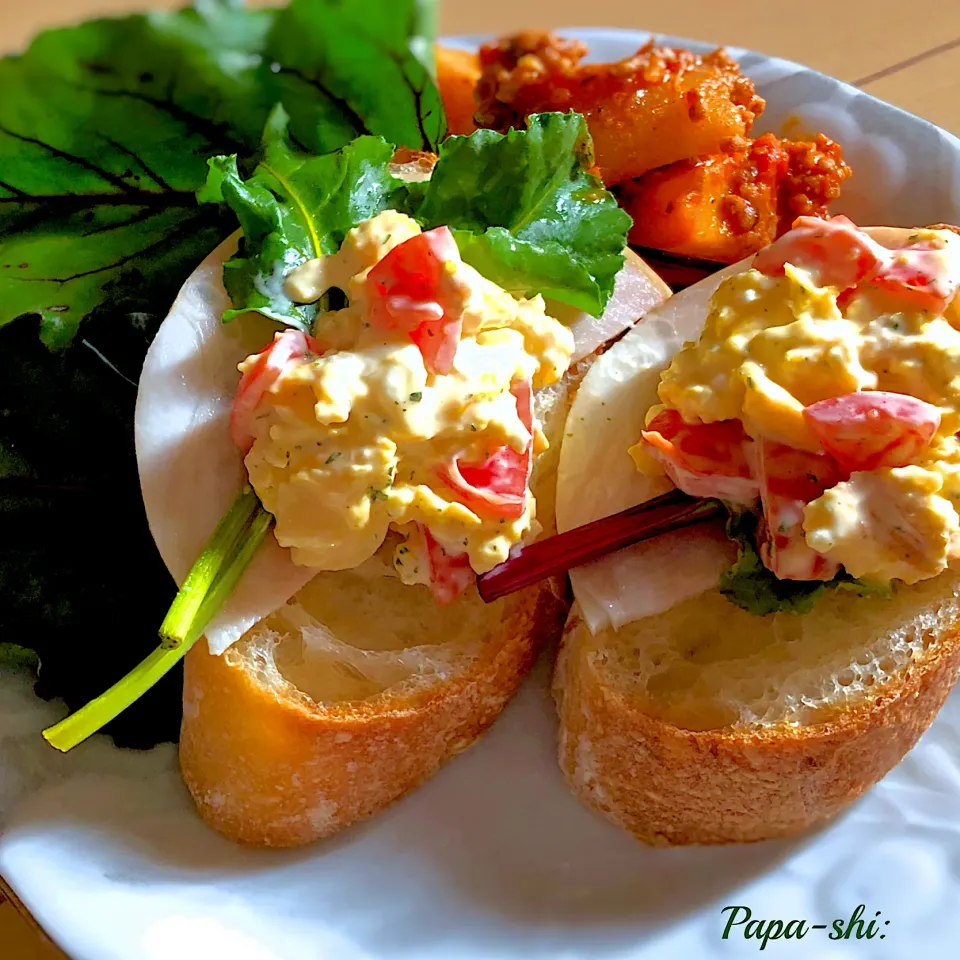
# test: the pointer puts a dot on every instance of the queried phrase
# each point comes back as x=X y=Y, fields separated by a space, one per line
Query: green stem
x=230 y=574
x=95 y=715
x=222 y=543
x=207 y=587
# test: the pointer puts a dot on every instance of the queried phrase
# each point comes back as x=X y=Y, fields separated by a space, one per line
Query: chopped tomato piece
x=785 y=471
x=783 y=546
x=834 y=251
x=864 y=431
x=287 y=346
x=450 y=575
x=437 y=341
x=701 y=447
x=789 y=479
x=838 y=254
x=497 y=486
x=410 y=290
x=703 y=459
x=740 y=490
x=917 y=273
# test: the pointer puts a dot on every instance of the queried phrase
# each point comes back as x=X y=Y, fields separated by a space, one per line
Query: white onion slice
x=597 y=477
x=190 y=471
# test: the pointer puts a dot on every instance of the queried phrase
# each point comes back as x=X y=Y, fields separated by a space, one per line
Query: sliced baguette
x=708 y=725
x=357 y=690
x=705 y=724
x=280 y=746
x=360 y=687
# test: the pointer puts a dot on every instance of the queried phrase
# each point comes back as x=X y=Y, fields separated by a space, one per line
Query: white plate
x=493 y=858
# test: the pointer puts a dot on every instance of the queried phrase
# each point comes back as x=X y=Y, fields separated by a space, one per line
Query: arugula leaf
x=347 y=68
x=527 y=213
x=295 y=207
x=750 y=585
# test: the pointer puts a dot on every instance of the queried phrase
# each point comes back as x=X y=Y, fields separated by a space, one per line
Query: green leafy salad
x=129 y=149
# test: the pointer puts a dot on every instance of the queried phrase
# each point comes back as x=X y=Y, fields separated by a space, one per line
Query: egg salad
x=407 y=411
x=826 y=387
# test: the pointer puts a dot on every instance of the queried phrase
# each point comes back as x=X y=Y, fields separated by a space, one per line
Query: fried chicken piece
x=728 y=205
x=652 y=109
x=457 y=74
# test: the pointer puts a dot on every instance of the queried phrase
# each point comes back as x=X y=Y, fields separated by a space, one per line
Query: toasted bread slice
x=296 y=732
x=695 y=721
x=707 y=724
x=358 y=689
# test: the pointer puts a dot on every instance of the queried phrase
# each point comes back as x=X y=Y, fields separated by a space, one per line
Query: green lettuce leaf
x=14 y=657
x=105 y=130
x=862 y=587
x=296 y=206
x=750 y=585
x=527 y=214
x=349 y=68
x=81 y=582
x=522 y=208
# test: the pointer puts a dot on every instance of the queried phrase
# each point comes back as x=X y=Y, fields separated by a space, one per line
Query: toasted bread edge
x=669 y=786
x=268 y=769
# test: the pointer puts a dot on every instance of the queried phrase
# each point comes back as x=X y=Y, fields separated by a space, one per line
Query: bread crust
x=269 y=768
x=669 y=786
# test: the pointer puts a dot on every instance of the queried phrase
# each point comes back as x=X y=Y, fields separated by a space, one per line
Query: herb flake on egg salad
x=822 y=403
